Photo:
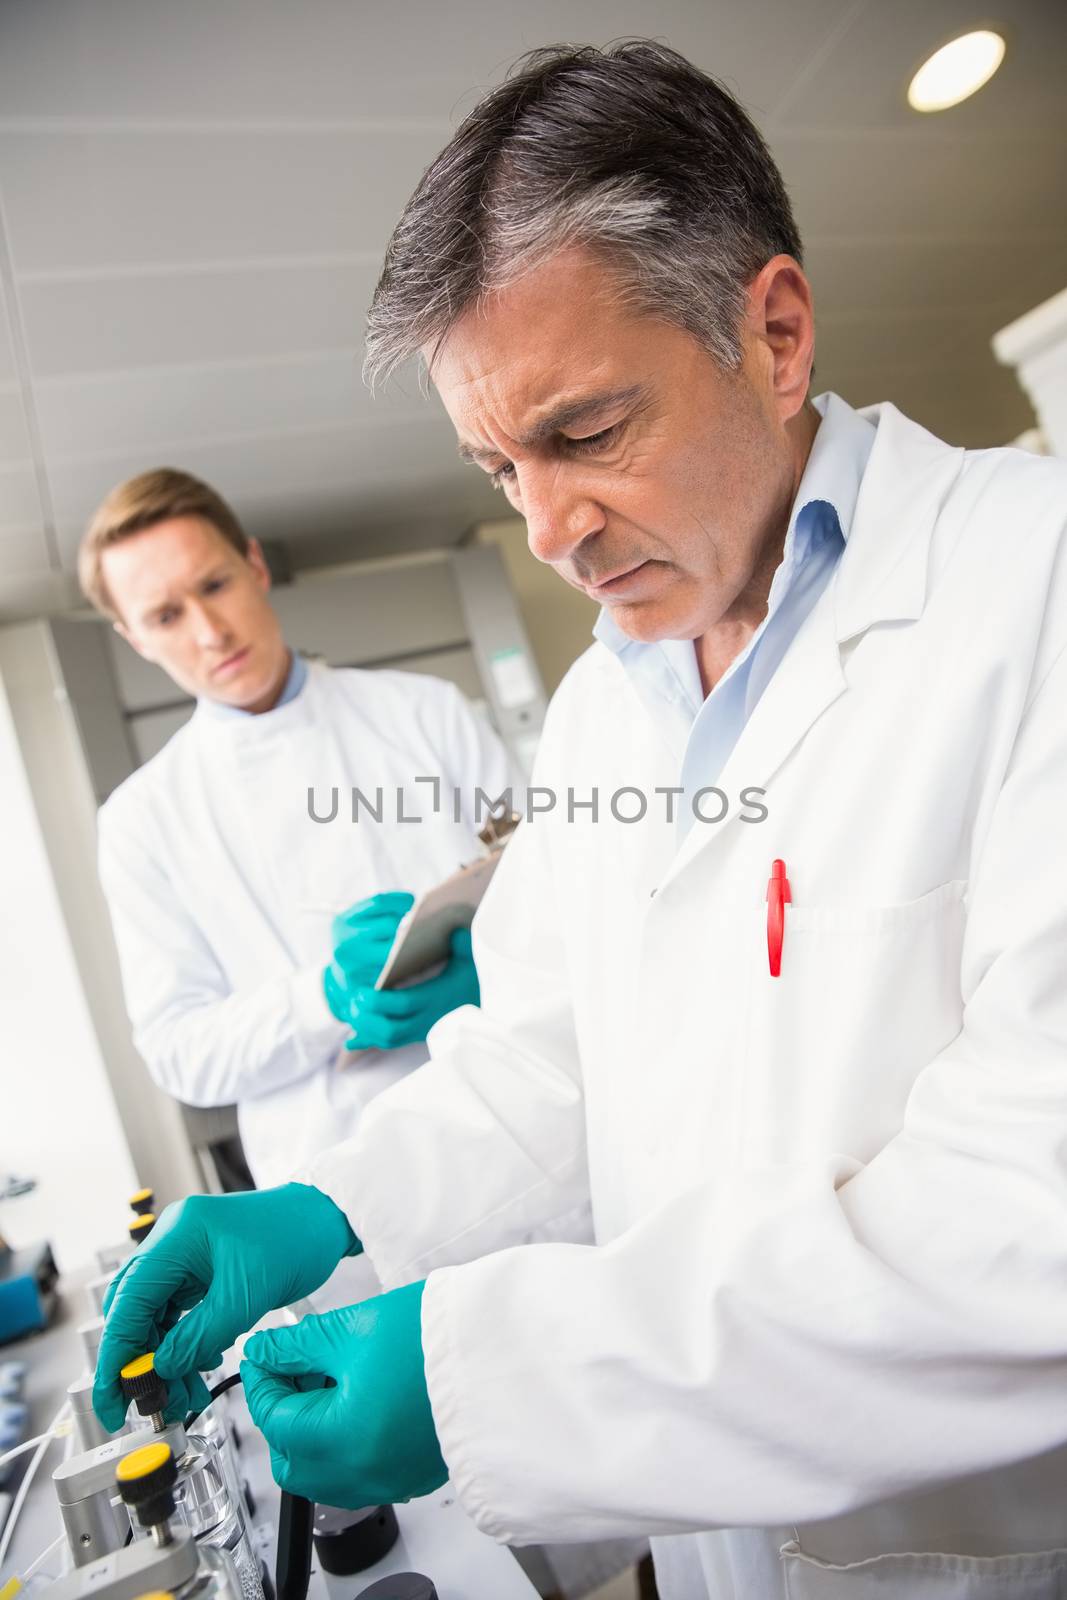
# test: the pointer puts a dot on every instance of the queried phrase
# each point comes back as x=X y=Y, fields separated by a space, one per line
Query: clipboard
x=423 y=938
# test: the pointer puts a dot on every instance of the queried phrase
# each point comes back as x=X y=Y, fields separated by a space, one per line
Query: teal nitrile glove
x=225 y=1260
x=368 y=1441
x=362 y=938
x=384 y=1019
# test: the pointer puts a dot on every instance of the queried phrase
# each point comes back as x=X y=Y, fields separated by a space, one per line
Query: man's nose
x=211 y=628
x=559 y=514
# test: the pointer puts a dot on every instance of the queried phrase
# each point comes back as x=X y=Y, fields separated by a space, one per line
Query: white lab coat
x=829 y=1269
x=222 y=890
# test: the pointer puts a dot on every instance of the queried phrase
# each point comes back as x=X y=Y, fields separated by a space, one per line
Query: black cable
x=292 y=1570
x=213 y=1394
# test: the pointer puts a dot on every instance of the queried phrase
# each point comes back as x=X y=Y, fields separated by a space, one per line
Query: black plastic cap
x=352 y=1541
x=146 y=1389
x=149 y=1488
x=401 y=1586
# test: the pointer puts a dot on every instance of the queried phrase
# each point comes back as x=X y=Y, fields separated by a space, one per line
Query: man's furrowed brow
x=474 y=457
x=571 y=414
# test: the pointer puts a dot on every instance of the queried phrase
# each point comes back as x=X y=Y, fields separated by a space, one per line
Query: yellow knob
x=147 y=1219
x=141 y=1196
x=139 y=1463
x=139 y=1366
x=156 y=1594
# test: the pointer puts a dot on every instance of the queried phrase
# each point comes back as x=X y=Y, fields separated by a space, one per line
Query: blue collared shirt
x=296 y=680
x=703 y=731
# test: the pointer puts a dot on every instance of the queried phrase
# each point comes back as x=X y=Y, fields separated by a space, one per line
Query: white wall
x=558 y=619
x=59 y=1122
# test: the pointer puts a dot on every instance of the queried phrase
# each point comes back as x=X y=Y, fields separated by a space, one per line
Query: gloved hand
x=371 y=1439
x=225 y=1260
x=384 y=1019
x=362 y=938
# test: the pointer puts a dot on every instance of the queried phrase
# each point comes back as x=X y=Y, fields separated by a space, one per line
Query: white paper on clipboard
x=423 y=938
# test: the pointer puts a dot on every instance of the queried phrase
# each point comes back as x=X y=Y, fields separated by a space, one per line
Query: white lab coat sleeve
x=484 y=1146
x=788 y=1345
x=203 y=1043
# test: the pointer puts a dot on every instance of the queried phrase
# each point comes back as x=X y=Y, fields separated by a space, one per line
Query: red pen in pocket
x=778 y=897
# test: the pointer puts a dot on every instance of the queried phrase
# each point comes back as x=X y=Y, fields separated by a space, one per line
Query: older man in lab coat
x=810 y=1065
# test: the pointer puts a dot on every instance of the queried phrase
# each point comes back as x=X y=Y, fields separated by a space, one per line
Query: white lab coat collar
x=883 y=571
x=293 y=686
x=237 y=732
x=881 y=577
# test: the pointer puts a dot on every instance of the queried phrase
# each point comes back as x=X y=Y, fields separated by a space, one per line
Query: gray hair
x=631 y=152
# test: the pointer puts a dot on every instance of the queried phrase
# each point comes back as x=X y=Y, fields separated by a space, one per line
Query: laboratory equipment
x=14 y=1427
x=351 y=1541
x=207 y=1494
x=144 y=1388
x=111 y=1257
x=27 y=1289
x=95 y=1290
x=88 y=1430
x=94 y=1523
x=292 y=1568
x=168 y=1561
x=90 y=1333
x=141 y=1227
x=14 y=1414
x=401 y=1586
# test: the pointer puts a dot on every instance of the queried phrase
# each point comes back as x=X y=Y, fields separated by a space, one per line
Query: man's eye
x=165 y=618
x=502 y=475
x=594 y=441
x=214 y=583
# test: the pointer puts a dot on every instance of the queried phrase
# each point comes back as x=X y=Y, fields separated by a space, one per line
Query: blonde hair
x=140 y=503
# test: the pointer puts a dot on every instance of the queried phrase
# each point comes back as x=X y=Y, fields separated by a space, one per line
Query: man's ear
x=134 y=643
x=258 y=562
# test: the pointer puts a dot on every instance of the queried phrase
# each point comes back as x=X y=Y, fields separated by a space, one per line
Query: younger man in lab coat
x=222 y=887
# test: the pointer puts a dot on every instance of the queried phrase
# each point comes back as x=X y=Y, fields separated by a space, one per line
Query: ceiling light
x=956 y=70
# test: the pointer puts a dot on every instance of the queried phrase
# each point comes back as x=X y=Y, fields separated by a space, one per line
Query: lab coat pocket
x=1038 y=1575
x=867 y=997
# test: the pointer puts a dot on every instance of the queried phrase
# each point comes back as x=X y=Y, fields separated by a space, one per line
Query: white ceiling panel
x=270 y=59
x=893 y=339
x=256 y=312
x=14 y=438
x=197 y=196
x=885 y=272
x=941 y=184
x=22 y=551
x=156 y=410
x=20 y=501
x=8 y=373
x=294 y=465
x=103 y=199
